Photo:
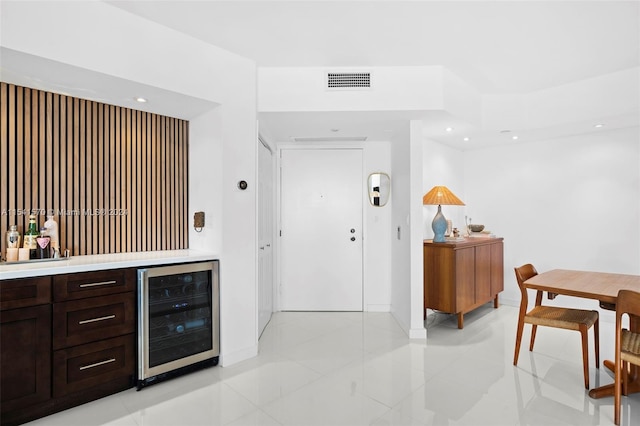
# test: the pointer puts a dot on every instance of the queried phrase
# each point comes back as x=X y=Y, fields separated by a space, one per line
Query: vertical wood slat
x=4 y=156
x=115 y=179
x=100 y=175
x=55 y=155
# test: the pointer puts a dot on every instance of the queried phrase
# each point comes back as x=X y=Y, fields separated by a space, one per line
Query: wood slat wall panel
x=116 y=179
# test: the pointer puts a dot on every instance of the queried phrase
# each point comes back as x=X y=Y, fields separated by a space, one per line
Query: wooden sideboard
x=460 y=276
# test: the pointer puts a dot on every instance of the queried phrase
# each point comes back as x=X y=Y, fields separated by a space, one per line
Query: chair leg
x=519 y=331
x=596 y=339
x=534 y=328
x=624 y=378
x=585 y=354
x=617 y=390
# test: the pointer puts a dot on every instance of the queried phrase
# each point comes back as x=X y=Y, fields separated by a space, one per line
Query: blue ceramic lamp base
x=439 y=226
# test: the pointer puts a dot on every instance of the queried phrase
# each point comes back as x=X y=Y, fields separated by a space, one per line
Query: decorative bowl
x=476 y=228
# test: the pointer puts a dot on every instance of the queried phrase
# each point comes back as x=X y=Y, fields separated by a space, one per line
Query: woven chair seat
x=566 y=318
x=630 y=343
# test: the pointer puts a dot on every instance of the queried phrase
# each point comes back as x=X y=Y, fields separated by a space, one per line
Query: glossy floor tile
x=319 y=368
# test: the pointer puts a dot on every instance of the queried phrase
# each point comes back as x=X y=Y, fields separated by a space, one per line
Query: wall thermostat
x=242 y=185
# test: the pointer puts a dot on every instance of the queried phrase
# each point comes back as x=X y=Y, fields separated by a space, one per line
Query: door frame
x=278 y=225
x=263 y=142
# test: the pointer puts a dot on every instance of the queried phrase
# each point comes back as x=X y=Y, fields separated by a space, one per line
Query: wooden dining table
x=601 y=286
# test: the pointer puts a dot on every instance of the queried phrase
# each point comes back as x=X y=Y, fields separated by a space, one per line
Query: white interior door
x=321 y=229
x=265 y=236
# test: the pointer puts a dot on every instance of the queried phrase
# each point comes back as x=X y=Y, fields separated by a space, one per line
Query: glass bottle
x=13 y=237
x=44 y=248
x=30 y=237
x=52 y=232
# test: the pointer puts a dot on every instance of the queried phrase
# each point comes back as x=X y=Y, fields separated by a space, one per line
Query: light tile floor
x=318 y=368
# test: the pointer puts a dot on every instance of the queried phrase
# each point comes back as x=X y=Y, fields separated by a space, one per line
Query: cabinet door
x=497 y=268
x=483 y=273
x=465 y=279
x=25 y=360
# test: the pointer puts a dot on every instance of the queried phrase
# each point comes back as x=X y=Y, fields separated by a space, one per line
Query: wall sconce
x=198 y=221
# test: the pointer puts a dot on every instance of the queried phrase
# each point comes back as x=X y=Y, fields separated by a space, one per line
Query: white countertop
x=100 y=262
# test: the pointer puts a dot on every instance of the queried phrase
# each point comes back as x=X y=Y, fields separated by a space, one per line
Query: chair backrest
x=523 y=273
x=628 y=302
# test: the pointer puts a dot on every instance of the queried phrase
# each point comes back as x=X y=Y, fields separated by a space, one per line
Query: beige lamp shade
x=441 y=196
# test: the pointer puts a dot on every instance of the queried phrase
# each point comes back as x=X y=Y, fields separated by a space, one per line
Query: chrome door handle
x=108 y=317
x=95 y=284
x=84 y=367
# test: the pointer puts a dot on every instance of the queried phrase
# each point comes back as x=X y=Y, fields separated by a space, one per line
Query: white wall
x=377 y=251
x=569 y=203
x=442 y=165
x=94 y=37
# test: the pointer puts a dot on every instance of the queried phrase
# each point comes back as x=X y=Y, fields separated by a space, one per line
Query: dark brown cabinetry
x=25 y=345
x=66 y=340
x=94 y=323
x=461 y=276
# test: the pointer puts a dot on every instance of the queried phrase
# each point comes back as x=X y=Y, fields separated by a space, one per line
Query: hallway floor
x=320 y=368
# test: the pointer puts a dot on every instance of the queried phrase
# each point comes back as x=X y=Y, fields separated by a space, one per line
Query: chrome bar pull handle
x=108 y=317
x=97 y=284
x=84 y=367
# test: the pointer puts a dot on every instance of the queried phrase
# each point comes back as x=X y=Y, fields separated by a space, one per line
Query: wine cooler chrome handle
x=96 y=284
x=96 y=319
x=107 y=361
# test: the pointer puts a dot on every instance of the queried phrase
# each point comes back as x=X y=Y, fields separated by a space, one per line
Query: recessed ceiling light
x=599 y=125
x=466 y=139
x=140 y=99
x=449 y=129
x=514 y=137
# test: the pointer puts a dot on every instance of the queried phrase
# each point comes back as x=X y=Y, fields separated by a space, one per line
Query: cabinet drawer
x=94 y=364
x=82 y=321
x=91 y=284
x=23 y=292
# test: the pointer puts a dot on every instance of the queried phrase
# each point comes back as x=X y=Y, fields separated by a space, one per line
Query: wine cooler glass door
x=179 y=317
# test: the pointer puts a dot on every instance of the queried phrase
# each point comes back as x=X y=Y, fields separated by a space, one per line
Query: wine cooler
x=178 y=320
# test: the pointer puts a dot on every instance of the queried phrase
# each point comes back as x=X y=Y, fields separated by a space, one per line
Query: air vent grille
x=330 y=139
x=352 y=80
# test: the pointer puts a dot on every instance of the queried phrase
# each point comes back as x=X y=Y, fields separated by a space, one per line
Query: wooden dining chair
x=552 y=316
x=627 y=345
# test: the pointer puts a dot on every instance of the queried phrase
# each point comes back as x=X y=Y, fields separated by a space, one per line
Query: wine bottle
x=30 y=237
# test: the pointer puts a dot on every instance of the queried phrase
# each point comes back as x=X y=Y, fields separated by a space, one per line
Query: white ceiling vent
x=330 y=139
x=348 y=80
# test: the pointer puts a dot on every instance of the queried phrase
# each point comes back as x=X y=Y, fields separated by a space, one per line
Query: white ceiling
x=499 y=47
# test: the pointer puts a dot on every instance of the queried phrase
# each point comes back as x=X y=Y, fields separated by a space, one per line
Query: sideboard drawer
x=91 y=365
x=23 y=292
x=91 y=284
x=82 y=321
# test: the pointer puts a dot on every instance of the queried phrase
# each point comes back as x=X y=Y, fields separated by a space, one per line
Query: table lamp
x=440 y=195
